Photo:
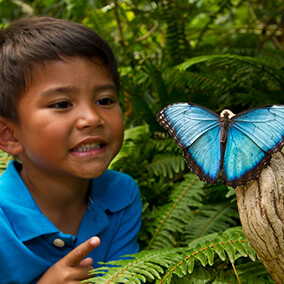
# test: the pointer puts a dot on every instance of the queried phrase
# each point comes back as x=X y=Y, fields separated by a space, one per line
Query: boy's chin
x=92 y=174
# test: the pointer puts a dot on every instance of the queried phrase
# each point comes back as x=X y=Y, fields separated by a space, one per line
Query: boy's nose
x=89 y=117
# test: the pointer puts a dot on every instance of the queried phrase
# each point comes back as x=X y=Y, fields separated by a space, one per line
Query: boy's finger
x=86 y=262
x=79 y=253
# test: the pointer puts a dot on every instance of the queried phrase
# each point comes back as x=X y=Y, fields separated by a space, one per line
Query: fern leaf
x=166 y=165
x=201 y=256
x=176 y=42
x=197 y=80
x=224 y=246
x=211 y=218
x=241 y=64
x=209 y=255
x=219 y=250
x=162 y=265
x=147 y=265
x=231 y=59
x=253 y=272
x=190 y=265
x=230 y=250
x=174 y=216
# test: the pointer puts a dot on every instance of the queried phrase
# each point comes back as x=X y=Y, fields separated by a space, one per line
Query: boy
x=61 y=210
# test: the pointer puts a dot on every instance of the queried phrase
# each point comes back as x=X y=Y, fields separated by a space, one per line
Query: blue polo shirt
x=30 y=243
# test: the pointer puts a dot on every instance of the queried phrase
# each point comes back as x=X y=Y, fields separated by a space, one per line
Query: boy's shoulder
x=9 y=179
x=115 y=190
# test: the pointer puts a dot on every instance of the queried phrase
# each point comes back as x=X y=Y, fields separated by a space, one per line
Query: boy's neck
x=64 y=201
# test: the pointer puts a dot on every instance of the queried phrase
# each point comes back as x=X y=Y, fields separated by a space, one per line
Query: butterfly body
x=235 y=147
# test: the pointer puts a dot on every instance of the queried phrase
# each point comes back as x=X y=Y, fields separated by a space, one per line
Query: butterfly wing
x=204 y=156
x=252 y=137
x=196 y=130
x=243 y=159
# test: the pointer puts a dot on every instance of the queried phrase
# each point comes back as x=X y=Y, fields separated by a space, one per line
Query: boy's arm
x=74 y=267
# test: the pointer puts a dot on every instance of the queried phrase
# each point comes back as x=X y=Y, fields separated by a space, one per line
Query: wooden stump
x=261 y=209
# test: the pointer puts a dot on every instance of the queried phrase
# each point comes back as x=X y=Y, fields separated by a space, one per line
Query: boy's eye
x=105 y=101
x=61 y=105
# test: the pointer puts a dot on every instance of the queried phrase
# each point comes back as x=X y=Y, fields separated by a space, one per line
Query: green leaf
x=210 y=255
x=202 y=258
x=190 y=264
x=230 y=250
x=219 y=249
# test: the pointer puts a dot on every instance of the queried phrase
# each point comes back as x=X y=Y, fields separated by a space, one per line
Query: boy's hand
x=73 y=268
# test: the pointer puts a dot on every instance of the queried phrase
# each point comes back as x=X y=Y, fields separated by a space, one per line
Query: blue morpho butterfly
x=237 y=147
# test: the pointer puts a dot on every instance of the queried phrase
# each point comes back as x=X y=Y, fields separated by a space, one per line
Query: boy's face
x=70 y=120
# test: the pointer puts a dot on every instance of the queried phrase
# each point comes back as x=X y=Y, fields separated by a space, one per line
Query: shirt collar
x=18 y=204
x=106 y=191
x=21 y=209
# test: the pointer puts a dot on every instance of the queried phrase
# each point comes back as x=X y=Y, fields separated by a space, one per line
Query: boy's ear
x=8 y=141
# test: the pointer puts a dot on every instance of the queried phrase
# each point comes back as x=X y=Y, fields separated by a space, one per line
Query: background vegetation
x=217 y=53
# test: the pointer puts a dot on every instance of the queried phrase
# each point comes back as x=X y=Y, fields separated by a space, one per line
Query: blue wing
x=253 y=135
x=243 y=159
x=204 y=156
x=196 y=130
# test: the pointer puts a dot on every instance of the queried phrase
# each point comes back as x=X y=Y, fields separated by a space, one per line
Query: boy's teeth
x=88 y=147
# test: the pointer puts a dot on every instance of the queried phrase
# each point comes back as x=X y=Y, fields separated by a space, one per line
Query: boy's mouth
x=88 y=147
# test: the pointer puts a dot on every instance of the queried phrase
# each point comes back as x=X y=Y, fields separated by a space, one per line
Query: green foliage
x=172 y=217
x=183 y=220
x=191 y=262
x=220 y=54
x=261 y=78
x=234 y=49
x=211 y=218
x=148 y=159
x=4 y=160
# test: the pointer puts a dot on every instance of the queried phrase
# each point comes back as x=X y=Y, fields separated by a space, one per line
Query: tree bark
x=261 y=209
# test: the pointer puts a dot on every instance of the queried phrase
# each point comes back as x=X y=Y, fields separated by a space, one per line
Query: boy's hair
x=32 y=41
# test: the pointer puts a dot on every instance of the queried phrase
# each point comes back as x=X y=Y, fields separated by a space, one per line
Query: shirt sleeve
x=127 y=226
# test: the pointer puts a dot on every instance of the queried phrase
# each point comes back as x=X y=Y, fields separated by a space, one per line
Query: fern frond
x=162 y=265
x=174 y=216
x=164 y=143
x=202 y=275
x=211 y=218
x=232 y=244
x=273 y=57
x=197 y=80
x=176 y=42
x=145 y=265
x=249 y=273
x=226 y=59
x=253 y=273
x=166 y=165
x=242 y=64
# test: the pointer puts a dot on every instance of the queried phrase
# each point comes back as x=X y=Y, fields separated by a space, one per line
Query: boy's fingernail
x=95 y=241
